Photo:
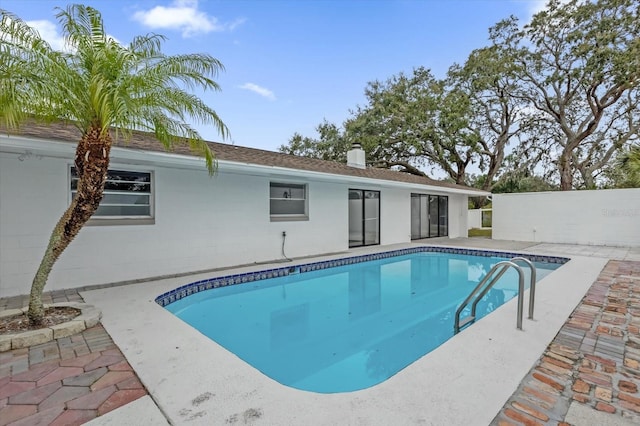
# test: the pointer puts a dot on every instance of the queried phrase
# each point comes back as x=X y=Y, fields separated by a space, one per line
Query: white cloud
x=262 y=91
x=49 y=32
x=184 y=16
x=535 y=6
x=235 y=24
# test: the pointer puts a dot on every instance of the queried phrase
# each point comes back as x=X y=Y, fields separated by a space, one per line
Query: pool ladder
x=488 y=282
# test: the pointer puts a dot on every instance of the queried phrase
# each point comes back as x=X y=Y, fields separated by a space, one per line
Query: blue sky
x=290 y=64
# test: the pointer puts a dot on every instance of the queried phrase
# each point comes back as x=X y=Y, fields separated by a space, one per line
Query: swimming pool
x=337 y=329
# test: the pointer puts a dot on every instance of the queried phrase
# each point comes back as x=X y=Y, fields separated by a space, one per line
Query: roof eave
x=39 y=146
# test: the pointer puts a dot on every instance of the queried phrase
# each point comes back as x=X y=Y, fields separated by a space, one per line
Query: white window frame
x=126 y=219
x=280 y=217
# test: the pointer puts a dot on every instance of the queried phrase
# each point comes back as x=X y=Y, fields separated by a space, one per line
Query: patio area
x=590 y=370
x=68 y=381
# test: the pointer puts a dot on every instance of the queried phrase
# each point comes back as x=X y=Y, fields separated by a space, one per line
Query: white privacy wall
x=201 y=223
x=475 y=218
x=603 y=217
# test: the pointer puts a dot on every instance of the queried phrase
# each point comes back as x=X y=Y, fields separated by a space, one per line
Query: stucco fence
x=479 y=218
x=601 y=217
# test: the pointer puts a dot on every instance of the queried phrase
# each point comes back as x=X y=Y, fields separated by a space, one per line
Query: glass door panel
x=424 y=216
x=371 y=217
x=364 y=217
x=429 y=216
x=356 y=210
x=433 y=215
x=443 y=216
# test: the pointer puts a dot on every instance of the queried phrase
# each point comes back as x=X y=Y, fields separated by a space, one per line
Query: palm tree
x=629 y=162
x=106 y=90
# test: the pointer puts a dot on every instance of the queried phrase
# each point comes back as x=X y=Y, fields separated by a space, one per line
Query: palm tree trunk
x=92 y=164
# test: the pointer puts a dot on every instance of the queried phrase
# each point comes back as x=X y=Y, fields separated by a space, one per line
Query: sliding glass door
x=364 y=218
x=429 y=216
x=443 y=216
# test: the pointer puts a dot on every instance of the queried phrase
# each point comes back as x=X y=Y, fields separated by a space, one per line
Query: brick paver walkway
x=594 y=359
x=68 y=381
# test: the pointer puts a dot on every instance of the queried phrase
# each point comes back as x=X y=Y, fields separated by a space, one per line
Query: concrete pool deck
x=465 y=381
x=470 y=379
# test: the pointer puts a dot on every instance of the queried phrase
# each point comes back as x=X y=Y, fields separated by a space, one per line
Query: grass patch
x=477 y=232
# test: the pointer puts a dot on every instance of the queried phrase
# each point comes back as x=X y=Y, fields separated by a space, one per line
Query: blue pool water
x=350 y=327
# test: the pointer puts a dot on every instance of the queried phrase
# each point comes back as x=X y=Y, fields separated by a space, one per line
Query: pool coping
x=193 y=379
x=186 y=290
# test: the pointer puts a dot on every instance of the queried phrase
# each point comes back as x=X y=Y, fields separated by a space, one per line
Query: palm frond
x=100 y=83
x=170 y=132
x=630 y=160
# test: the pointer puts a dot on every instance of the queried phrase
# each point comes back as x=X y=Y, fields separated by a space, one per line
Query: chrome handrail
x=532 y=283
x=491 y=279
x=487 y=288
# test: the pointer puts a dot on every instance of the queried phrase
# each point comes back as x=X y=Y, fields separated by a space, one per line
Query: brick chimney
x=356 y=157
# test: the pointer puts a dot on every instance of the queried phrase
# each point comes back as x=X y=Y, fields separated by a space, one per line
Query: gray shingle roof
x=233 y=153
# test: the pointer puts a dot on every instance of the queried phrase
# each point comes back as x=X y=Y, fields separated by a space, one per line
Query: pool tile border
x=188 y=289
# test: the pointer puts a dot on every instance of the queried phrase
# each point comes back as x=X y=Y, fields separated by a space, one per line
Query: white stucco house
x=162 y=213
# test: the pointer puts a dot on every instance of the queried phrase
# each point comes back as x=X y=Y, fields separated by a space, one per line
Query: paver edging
x=89 y=316
x=592 y=364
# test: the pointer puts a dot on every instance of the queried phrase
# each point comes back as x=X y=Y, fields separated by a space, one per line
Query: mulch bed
x=52 y=316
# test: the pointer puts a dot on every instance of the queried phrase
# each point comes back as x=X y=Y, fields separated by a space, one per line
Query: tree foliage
x=331 y=144
x=560 y=96
x=579 y=68
x=106 y=90
x=629 y=161
x=624 y=171
x=488 y=80
x=394 y=124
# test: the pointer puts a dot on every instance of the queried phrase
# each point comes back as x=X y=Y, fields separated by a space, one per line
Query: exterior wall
x=458 y=217
x=395 y=216
x=30 y=204
x=457 y=206
x=602 y=217
x=475 y=218
x=200 y=222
